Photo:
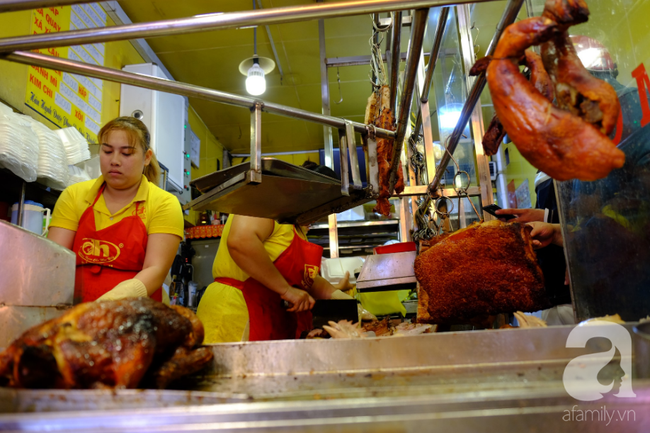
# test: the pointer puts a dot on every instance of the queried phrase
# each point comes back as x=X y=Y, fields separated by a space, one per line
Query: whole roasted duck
x=112 y=344
x=539 y=78
x=569 y=142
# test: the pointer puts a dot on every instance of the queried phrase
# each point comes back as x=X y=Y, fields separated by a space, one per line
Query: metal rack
x=14 y=50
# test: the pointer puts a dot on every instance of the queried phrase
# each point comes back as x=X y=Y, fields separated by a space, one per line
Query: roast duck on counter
x=485 y=269
x=135 y=342
x=568 y=140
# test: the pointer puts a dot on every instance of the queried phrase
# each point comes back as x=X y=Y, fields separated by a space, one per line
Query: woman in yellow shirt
x=122 y=227
x=261 y=263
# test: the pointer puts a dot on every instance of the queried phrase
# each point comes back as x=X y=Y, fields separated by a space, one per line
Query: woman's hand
x=299 y=300
x=544 y=234
x=522 y=215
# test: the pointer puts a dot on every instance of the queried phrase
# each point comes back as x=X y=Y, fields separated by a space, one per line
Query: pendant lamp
x=255 y=68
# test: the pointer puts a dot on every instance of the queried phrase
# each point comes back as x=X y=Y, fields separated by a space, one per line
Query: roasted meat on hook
x=540 y=80
x=378 y=113
x=563 y=144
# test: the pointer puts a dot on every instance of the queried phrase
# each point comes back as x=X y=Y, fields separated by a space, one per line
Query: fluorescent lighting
x=255 y=82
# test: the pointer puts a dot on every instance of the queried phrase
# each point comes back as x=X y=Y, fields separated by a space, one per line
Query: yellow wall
x=211 y=151
x=13 y=77
x=13 y=88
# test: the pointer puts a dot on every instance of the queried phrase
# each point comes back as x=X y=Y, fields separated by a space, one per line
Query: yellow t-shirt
x=162 y=211
x=280 y=239
x=222 y=309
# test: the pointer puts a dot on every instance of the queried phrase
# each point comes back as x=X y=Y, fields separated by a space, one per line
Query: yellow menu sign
x=62 y=98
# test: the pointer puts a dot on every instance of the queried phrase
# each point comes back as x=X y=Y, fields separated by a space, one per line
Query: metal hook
x=438 y=203
x=338 y=79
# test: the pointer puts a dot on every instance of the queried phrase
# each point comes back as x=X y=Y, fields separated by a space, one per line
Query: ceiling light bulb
x=255 y=83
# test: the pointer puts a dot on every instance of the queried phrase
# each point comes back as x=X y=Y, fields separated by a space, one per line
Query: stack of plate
x=19 y=145
x=76 y=146
x=77 y=175
x=52 y=160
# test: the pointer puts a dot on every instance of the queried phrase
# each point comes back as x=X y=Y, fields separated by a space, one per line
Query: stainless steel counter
x=507 y=380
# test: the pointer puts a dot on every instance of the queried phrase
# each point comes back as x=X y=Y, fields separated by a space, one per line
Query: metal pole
x=433 y=58
x=325 y=97
x=216 y=21
x=394 y=59
x=335 y=62
x=275 y=52
x=375 y=41
x=435 y=49
x=509 y=16
x=255 y=173
x=21 y=206
x=19 y=5
x=476 y=119
x=415 y=47
x=179 y=88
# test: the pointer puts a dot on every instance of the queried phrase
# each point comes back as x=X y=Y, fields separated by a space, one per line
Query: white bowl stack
x=52 y=159
x=76 y=146
x=19 y=145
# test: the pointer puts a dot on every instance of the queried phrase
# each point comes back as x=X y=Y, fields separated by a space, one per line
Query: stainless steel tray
x=270 y=166
x=497 y=380
x=39 y=400
x=287 y=193
x=384 y=272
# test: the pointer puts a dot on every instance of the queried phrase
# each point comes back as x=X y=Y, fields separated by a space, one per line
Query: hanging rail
x=509 y=16
x=214 y=21
x=435 y=49
x=179 y=88
x=395 y=59
x=433 y=58
x=414 y=50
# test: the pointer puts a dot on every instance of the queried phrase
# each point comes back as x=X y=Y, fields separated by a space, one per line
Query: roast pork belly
x=486 y=268
x=109 y=344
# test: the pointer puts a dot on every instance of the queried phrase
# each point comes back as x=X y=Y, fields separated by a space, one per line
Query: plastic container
x=333 y=270
x=400 y=247
x=32 y=217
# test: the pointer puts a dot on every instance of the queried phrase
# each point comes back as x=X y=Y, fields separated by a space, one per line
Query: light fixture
x=255 y=68
x=255 y=81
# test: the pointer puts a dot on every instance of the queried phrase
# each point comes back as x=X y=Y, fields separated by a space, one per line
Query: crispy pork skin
x=486 y=268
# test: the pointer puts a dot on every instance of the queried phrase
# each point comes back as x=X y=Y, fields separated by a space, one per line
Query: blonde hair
x=138 y=134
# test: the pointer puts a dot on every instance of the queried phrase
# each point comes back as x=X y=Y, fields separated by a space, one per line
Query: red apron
x=268 y=317
x=109 y=256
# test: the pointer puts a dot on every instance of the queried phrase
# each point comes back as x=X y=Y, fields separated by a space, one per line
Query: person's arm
x=522 y=215
x=323 y=289
x=161 y=251
x=246 y=247
x=65 y=218
x=61 y=236
x=544 y=234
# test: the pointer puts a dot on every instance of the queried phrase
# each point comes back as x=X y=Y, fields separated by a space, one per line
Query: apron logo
x=141 y=212
x=310 y=273
x=98 y=251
